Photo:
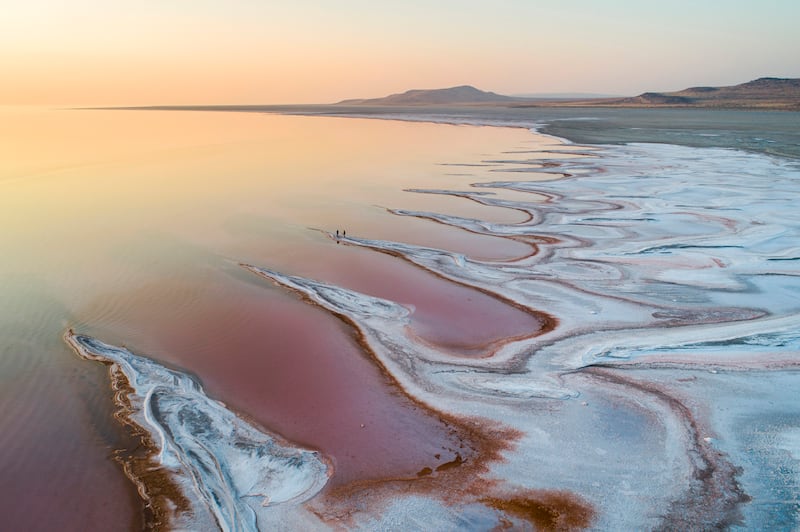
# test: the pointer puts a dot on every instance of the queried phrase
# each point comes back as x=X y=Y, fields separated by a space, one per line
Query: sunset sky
x=256 y=51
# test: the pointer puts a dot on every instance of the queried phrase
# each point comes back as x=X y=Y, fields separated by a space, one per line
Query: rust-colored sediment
x=460 y=450
x=546 y=510
x=161 y=495
x=462 y=482
x=458 y=481
x=253 y=350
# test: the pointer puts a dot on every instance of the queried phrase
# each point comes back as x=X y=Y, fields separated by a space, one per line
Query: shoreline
x=613 y=264
x=624 y=124
x=734 y=496
x=466 y=466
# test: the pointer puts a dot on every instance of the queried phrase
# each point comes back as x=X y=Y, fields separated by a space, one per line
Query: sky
x=101 y=52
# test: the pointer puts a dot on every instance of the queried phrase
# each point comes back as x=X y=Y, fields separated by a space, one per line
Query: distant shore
x=761 y=93
x=760 y=131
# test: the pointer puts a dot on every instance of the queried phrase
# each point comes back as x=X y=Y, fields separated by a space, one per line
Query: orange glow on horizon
x=93 y=53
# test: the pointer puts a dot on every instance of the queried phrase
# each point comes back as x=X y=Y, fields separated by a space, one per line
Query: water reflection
x=129 y=226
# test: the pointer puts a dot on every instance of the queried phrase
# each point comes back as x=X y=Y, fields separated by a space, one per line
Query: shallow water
x=579 y=318
x=131 y=226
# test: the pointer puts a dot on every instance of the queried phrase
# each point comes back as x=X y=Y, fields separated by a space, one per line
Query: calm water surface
x=130 y=226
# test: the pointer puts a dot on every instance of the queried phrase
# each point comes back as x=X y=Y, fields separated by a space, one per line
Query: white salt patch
x=229 y=470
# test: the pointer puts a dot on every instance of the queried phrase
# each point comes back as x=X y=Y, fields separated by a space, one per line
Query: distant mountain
x=762 y=93
x=766 y=92
x=464 y=94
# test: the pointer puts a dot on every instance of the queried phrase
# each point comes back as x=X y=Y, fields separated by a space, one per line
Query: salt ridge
x=647 y=251
x=648 y=257
x=229 y=473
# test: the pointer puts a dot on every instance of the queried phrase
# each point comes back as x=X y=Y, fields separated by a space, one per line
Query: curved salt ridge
x=662 y=231
x=353 y=304
x=234 y=475
x=738 y=340
x=635 y=258
x=669 y=257
x=424 y=371
x=557 y=432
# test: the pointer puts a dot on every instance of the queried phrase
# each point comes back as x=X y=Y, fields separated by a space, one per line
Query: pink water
x=130 y=226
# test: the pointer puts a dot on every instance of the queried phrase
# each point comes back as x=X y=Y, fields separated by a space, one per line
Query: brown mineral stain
x=484 y=441
x=455 y=462
x=252 y=347
x=463 y=482
x=457 y=481
x=295 y=370
x=163 y=498
x=546 y=510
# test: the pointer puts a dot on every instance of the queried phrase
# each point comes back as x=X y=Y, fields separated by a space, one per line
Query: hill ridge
x=449 y=95
x=761 y=93
x=766 y=92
